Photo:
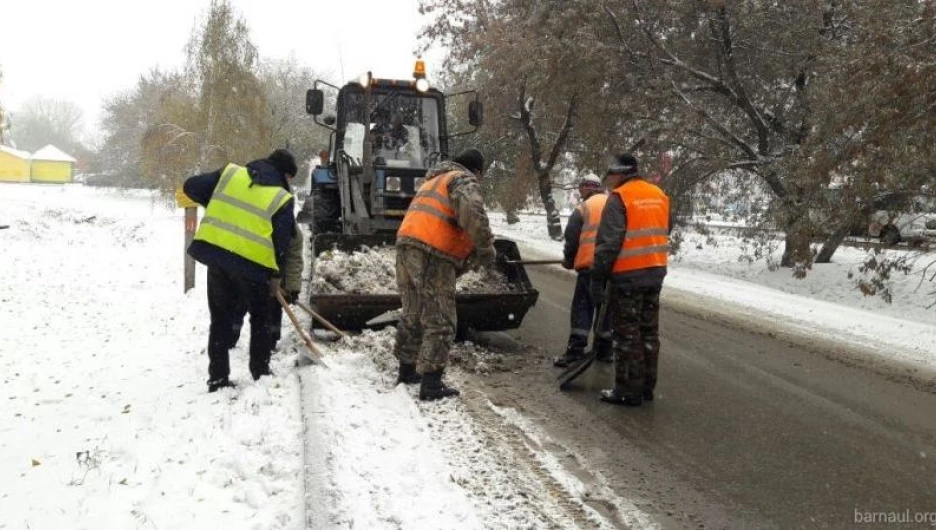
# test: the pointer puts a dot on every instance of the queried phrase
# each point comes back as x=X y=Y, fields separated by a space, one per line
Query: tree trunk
x=512 y=217
x=543 y=169
x=796 y=252
x=832 y=244
x=553 y=223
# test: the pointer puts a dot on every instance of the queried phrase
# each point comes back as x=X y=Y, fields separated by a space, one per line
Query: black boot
x=261 y=373
x=408 y=374
x=433 y=388
x=605 y=355
x=647 y=394
x=617 y=397
x=569 y=358
x=215 y=385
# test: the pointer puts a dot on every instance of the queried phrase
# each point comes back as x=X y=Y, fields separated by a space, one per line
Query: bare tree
x=533 y=66
x=42 y=121
x=125 y=120
x=219 y=113
x=285 y=83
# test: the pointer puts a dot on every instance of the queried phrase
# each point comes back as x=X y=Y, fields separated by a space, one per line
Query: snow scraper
x=578 y=368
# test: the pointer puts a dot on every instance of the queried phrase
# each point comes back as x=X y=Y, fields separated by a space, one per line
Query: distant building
x=50 y=164
x=14 y=165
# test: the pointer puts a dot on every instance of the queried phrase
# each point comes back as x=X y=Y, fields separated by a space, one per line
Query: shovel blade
x=575 y=370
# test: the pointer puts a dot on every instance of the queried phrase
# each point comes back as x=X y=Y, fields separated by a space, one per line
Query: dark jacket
x=572 y=235
x=200 y=188
x=608 y=245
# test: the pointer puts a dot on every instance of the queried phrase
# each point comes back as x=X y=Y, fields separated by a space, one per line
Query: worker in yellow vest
x=445 y=232
x=631 y=255
x=243 y=238
x=579 y=254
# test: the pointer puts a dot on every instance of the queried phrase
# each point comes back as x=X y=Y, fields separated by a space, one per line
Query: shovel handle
x=321 y=319
x=317 y=355
x=534 y=262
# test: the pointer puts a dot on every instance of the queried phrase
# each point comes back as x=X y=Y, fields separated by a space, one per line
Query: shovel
x=321 y=320
x=534 y=262
x=579 y=368
x=313 y=354
x=384 y=319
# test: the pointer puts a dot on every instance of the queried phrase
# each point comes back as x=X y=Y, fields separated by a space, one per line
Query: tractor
x=385 y=135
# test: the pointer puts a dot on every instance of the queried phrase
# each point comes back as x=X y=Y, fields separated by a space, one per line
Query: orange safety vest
x=432 y=220
x=646 y=241
x=591 y=217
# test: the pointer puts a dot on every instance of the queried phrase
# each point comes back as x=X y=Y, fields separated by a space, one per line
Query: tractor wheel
x=326 y=212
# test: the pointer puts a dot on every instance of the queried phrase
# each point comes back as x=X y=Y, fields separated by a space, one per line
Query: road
x=750 y=428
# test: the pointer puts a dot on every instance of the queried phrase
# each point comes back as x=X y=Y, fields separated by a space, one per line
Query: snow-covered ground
x=107 y=423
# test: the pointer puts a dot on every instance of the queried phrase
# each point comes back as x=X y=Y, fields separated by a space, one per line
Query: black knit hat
x=470 y=159
x=284 y=162
x=625 y=164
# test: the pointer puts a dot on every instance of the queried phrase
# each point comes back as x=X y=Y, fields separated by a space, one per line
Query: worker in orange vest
x=579 y=254
x=444 y=233
x=631 y=256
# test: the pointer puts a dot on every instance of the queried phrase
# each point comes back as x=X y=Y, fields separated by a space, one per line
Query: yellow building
x=50 y=164
x=14 y=165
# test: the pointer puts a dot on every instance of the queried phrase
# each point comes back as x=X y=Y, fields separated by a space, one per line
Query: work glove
x=274 y=284
x=567 y=265
x=291 y=297
x=598 y=290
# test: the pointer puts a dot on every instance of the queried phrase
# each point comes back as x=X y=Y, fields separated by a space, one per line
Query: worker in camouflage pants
x=631 y=256
x=428 y=327
x=636 y=326
x=444 y=233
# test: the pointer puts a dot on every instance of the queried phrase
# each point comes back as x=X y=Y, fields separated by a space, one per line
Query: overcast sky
x=86 y=50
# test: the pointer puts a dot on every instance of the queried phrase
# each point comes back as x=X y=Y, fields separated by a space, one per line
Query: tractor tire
x=890 y=236
x=326 y=212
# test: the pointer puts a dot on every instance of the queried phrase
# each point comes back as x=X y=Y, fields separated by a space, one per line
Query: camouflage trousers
x=635 y=314
x=427 y=326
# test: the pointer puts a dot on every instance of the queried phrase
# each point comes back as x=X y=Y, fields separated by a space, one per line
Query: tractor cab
x=386 y=133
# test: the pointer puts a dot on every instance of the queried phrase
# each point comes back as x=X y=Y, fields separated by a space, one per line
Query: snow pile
x=375 y=462
x=473 y=358
x=482 y=281
x=372 y=270
x=107 y=420
x=381 y=459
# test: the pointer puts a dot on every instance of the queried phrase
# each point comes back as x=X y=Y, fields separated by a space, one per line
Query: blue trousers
x=583 y=315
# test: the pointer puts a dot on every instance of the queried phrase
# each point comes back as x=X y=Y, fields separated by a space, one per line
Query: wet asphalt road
x=749 y=429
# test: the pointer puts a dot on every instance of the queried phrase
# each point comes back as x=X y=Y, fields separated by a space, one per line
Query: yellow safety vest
x=239 y=217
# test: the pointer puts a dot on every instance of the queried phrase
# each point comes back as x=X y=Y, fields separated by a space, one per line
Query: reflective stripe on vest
x=591 y=217
x=646 y=240
x=432 y=220
x=239 y=217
